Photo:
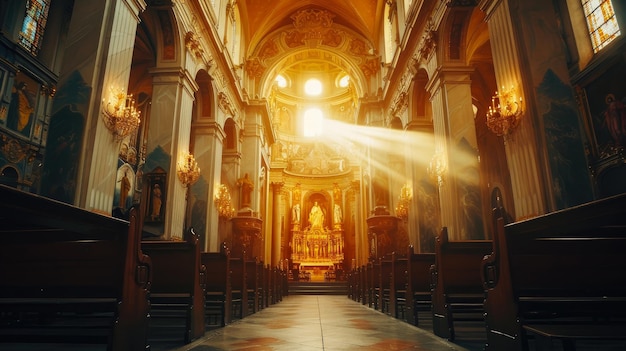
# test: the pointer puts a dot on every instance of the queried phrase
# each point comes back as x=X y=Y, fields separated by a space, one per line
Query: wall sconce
x=120 y=115
x=505 y=112
x=438 y=168
x=404 y=200
x=223 y=202
x=188 y=170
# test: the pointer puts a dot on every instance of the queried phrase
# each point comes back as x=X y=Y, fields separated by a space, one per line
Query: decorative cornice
x=193 y=45
x=225 y=105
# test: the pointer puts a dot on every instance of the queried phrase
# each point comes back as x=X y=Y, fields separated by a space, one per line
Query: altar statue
x=316 y=216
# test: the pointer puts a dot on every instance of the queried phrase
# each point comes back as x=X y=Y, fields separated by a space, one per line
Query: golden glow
x=344 y=81
x=223 y=202
x=313 y=122
x=120 y=115
x=281 y=81
x=505 y=112
x=188 y=170
x=404 y=200
x=313 y=87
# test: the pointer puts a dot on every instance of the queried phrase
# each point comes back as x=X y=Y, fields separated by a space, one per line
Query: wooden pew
x=457 y=292
x=71 y=276
x=217 y=286
x=176 y=293
x=558 y=276
x=364 y=276
x=375 y=289
x=398 y=286
x=239 y=297
x=419 y=294
x=385 y=274
x=261 y=285
x=252 y=287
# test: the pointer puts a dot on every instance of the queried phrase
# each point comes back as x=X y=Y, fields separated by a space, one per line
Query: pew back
x=457 y=290
x=556 y=269
x=176 y=285
x=61 y=260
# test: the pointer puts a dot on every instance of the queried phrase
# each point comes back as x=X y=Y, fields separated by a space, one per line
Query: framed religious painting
x=156 y=198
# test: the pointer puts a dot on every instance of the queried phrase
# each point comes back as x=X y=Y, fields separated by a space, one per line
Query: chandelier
x=406 y=194
x=438 y=168
x=188 y=170
x=505 y=112
x=120 y=115
x=223 y=202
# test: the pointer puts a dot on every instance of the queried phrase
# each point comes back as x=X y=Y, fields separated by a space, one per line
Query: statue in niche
x=337 y=216
x=295 y=214
x=246 y=190
x=316 y=216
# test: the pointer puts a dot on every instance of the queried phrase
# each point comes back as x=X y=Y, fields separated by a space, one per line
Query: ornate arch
x=312 y=35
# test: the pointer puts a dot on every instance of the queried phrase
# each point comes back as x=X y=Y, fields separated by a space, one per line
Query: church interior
x=314 y=137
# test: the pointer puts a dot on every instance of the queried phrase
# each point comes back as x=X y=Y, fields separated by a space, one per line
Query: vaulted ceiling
x=264 y=16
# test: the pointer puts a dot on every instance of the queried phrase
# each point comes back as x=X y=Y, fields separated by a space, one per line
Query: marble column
x=170 y=131
x=111 y=25
x=522 y=146
x=455 y=147
x=208 y=143
x=277 y=254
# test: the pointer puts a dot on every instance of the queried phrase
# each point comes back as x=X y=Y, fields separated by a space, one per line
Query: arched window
x=313 y=122
x=601 y=21
x=34 y=25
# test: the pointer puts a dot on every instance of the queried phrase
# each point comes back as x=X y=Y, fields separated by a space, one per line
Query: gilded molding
x=193 y=44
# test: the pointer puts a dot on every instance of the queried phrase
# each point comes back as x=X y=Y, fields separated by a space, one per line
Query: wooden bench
x=217 y=286
x=558 y=276
x=176 y=293
x=399 y=282
x=252 y=286
x=457 y=291
x=71 y=276
x=238 y=295
x=385 y=276
x=419 y=294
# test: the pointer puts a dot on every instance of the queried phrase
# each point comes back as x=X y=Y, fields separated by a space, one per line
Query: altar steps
x=318 y=288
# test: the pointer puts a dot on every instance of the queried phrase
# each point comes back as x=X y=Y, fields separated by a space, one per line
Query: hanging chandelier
x=120 y=115
x=404 y=200
x=223 y=202
x=188 y=170
x=438 y=168
x=505 y=112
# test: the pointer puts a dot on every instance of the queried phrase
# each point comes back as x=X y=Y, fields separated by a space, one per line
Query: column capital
x=277 y=186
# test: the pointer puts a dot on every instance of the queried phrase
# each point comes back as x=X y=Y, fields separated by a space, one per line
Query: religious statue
x=124 y=189
x=316 y=216
x=246 y=190
x=156 y=203
x=295 y=214
x=337 y=217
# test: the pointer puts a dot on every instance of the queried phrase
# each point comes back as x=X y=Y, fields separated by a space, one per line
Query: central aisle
x=319 y=322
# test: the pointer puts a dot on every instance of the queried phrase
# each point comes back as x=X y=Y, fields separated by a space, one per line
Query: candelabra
x=505 y=112
x=438 y=168
x=188 y=170
x=404 y=200
x=223 y=202
x=120 y=115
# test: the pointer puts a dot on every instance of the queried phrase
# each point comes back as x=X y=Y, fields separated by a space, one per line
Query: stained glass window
x=34 y=25
x=603 y=27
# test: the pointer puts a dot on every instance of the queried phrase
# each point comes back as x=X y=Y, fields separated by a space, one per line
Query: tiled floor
x=319 y=322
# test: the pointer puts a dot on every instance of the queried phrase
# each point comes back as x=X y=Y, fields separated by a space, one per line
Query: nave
x=322 y=322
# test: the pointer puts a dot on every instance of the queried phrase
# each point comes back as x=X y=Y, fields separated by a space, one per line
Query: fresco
x=570 y=177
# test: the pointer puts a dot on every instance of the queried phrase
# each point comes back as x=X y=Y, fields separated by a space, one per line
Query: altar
x=317 y=252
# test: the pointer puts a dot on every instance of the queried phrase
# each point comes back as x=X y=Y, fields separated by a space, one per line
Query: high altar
x=317 y=251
